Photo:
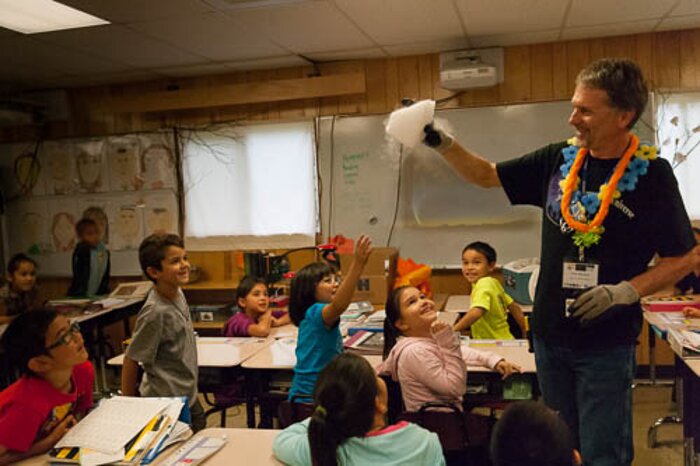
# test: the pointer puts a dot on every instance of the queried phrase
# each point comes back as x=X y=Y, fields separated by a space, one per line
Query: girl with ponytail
x=423 y=354
x=348 y=425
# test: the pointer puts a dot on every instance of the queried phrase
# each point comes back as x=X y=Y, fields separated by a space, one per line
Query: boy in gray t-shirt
x=163 y=343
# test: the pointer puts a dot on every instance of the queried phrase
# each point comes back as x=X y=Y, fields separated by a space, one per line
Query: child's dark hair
x=531 y=434
x=16 y=261
x=152 y=250
x=393 y=313
x=246 y=286
x=25 y=337
x=483 y=248
x=83 y=224
x=344 y=400
x=302 y=293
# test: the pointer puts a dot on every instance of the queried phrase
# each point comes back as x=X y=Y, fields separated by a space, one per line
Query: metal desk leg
x=691 y=426
x=252 y=385
x=677 y=386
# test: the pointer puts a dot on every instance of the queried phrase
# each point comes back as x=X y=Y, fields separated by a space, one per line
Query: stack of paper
x=684 y=343
x=123 y=430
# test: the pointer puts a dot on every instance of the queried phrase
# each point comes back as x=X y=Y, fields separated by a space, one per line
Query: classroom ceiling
x=151 y=39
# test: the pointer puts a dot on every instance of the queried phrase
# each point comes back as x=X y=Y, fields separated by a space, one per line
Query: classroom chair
x=464 y=436
x=293 y=411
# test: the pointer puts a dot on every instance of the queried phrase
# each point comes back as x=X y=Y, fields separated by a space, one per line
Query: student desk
x=515 y=351
x=244 y=446
x=278 y=356
x=221 y=352
x=690 y=394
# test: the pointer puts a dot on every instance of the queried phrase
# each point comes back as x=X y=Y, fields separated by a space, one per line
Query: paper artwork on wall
x=127 y=223
x=161 y=212
x=58 y=164
x=27 y=172
x=28 y=232
x=63 y=217
x=90 y=166
x=124 y=164
x=158 y=162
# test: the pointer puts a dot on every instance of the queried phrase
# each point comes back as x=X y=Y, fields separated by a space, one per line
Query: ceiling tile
x=122 y=11
x=211 y=35
x=508 y=16
x=679 y=22
x=686 y=7
x=392 y=22
x=122 y=45
x=601 y=12
x=303 y=28
x=269 y=63
x=605 y=30
x=197 y=70
x=115 y=78
x=518 y=38
x=419 y=48
x=49 y=57
x=374 y=52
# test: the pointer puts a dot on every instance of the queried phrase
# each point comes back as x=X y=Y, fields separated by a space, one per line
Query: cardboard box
x=373 y=288
x=382 y=261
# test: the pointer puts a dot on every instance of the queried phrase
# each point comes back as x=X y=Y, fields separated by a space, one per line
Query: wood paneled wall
x=538 y=72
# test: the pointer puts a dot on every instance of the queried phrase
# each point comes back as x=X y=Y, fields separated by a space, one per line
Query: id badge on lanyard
x=578 y=275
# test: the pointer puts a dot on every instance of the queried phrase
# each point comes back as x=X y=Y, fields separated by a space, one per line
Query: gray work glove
x=594 y=302
x=437 y=139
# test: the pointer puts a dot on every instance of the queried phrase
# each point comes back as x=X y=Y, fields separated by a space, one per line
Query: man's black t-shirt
x=650 y=219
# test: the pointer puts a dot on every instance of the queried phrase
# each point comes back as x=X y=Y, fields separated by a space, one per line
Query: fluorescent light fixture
x=32 y=16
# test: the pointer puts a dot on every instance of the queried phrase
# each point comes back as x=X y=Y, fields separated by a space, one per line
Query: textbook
x=670 y=303
x=684 y=343
x=364 y=342
x=367 y=326
x=123 y=431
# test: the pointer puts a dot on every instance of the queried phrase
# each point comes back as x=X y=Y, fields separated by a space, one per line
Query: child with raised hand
x=530 y=434
x=19 y=294
x=315 y=304
x=55 y=387
x=489 y=301
x=348 y=425
x=254 y=318
x=424 y=355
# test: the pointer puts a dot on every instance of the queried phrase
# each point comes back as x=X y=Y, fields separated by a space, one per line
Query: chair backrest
x=395 y=402
x=446 y=420
x=290 y=412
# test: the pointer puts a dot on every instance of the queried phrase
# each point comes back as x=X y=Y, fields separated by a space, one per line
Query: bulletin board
x=127 y=184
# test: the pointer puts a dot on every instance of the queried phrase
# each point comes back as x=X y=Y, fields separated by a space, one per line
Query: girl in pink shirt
x=423 y=354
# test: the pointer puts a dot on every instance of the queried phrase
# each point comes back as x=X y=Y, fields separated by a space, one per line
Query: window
x=678 y=138
x=250 y=187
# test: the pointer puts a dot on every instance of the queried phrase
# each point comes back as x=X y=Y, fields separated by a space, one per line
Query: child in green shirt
x=487 y=316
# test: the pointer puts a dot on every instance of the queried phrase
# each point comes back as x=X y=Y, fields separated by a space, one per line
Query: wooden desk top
x=244 y=446
x=515 y=351
x=219 y=351
x=280 y=355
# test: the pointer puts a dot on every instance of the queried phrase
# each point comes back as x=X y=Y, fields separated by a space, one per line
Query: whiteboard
x=359 y=174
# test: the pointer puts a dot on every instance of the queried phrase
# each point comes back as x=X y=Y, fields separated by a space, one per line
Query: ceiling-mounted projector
x=469 y=69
